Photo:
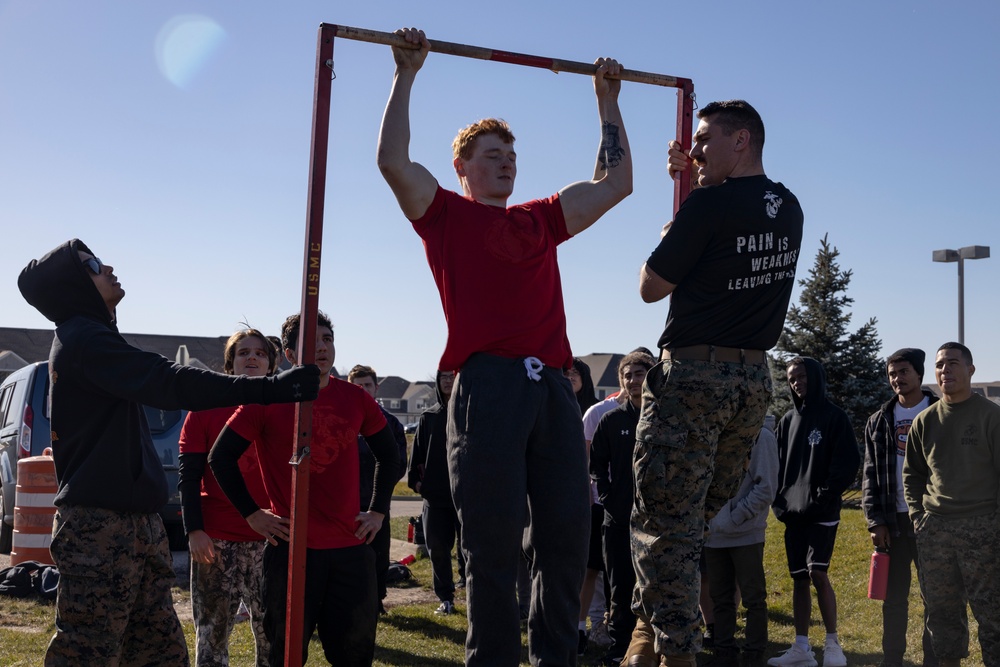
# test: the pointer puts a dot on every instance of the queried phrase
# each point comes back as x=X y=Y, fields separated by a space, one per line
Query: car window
x=14 y=406
x=5 y=411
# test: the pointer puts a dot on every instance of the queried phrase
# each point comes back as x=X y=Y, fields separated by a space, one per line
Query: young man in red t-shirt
x=515 y=437
x=340 y=600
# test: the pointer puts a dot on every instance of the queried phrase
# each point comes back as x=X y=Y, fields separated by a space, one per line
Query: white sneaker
x=795 y=657
x=833 y=655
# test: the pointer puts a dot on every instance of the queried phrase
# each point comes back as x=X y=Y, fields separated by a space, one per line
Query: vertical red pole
x=685 y=125
x=307 y=348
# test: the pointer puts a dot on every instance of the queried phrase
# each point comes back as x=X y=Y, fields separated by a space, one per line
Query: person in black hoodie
x=366 y=378
x=428 y=476
x=611 y=452
x=818 y=458
x=114 y=603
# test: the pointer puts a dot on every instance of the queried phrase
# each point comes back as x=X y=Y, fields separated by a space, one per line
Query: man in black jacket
x=818 y=459
x=882 y=497
x=114 y=604
x=366 y=378
x=428 y=476
x=611 y=453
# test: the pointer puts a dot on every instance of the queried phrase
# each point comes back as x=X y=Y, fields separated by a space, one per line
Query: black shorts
x=809 y=547
x=595 y=558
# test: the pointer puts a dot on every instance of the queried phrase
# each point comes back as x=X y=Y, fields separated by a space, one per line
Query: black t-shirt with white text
x=731 y=251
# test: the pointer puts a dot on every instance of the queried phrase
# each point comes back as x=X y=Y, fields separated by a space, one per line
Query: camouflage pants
x=958 y=560
x=216 y=591
x=114 y=605
x=698 y=422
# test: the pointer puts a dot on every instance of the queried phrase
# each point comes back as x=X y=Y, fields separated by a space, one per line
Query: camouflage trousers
x=698 y=422
x=114 y=605
x=958 y=561
x=216 y=591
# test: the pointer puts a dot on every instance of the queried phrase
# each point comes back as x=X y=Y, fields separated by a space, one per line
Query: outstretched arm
x=412 y=184
x=584 y=202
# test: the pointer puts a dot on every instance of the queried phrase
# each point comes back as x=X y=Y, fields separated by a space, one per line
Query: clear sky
x=173 y=138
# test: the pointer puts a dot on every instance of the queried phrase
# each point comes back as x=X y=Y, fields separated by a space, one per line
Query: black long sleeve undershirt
x=191 y=469
x=225 y=461
x=229 y=447
x=383 y=446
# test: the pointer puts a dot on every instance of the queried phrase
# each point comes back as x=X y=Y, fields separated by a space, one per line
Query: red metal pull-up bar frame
x=314 y=246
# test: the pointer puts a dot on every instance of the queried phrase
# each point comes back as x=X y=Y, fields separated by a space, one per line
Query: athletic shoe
x=794 y=657
x=599 y=635
x=833 y=655
x=460 y=583
x=446 y=607
x=581 y=646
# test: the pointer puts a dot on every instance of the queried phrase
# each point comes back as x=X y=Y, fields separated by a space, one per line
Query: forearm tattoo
x=610 y=155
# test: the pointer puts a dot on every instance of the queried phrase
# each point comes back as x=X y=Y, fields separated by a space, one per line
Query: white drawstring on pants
x=534 y=366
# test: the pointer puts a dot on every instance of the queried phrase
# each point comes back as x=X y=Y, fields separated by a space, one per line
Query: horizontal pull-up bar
x=480 y=53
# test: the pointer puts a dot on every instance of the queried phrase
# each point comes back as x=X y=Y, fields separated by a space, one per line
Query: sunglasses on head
x=94 y=265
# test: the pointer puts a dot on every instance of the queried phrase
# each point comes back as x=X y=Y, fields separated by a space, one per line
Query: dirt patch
x=396 y=597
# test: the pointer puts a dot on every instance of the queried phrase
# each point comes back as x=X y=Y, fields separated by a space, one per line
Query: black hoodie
x=818 y=456
x=103 y=451
x=429 y=460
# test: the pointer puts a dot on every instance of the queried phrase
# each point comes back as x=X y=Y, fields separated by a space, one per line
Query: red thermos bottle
x=878 y=575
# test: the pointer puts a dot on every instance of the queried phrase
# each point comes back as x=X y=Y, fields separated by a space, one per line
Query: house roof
x=33 y=345
x=418 y=388
x=392 y=386
x=604 y=368
x=9 y=361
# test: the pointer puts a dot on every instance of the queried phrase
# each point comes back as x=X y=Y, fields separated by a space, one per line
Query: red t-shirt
x=498 y=277
x=340 y=412
x=222 y=521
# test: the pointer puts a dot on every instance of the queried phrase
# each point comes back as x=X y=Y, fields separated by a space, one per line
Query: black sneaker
x=581 y=647
x=445 y=608
x=460 y=583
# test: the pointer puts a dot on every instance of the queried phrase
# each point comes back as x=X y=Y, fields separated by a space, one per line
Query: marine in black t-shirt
x=731 y=251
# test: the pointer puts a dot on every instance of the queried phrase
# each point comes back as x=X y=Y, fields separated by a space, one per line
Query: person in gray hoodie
x=734 y=553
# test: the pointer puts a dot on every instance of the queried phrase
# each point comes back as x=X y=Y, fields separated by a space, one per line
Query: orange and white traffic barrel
x=33 y=510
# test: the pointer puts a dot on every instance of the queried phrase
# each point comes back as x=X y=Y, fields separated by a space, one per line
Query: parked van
x=25 y=431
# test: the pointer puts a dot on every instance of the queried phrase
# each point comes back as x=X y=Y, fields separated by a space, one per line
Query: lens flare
x=185 y=45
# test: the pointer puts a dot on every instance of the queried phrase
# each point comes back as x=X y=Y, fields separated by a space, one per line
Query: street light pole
x=959 y=256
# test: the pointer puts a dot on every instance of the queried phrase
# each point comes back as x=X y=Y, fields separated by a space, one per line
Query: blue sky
x=174 y=139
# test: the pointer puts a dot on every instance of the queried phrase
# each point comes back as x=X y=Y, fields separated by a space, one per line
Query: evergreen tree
x=818 y=327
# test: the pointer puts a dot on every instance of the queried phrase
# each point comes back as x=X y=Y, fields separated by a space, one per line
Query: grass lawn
x=413 y=635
